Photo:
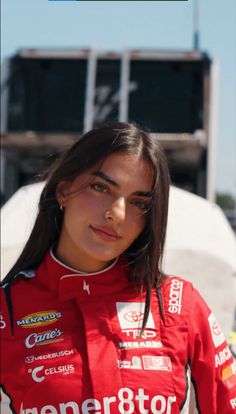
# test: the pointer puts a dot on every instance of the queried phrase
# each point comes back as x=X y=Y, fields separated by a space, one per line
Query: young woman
x=90 y=324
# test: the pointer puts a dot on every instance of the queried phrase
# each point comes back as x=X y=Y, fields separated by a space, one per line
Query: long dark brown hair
x=92 y=148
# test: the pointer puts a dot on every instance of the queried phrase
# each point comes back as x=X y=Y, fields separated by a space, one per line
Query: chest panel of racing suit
x=77 y=348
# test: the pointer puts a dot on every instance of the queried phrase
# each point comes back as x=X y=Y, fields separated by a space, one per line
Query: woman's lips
x=106 y=233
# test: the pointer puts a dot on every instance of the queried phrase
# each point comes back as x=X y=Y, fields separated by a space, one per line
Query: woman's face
x=104 y=211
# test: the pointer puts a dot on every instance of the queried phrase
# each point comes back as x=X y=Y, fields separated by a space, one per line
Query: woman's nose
x=117 y=212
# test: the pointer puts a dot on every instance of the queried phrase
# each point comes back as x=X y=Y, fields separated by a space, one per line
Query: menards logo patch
x=39 y=319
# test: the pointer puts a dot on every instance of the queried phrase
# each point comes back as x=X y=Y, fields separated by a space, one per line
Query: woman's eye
x=141 y=205
x=98 y=187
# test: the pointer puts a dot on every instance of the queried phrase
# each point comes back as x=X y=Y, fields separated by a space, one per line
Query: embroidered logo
x=54 y=355
x=2 y=322
x=147 y=362
x=222 y=356
x=130 y=315
x=124 y=401
x=38 y=319
x=140 y=344
x=175 y=298
x=229 y=375
x=86 y=287
x=159 y=363
x=43 y=338
x=217 y=335
x=39 y=373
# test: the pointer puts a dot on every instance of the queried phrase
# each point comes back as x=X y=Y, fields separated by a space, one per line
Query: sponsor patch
x=159 y=363
x=217 y=335
x=222 y=356
x=2 y=322
x=40 y=373
x=135 y=363
x=233 y=402
x=175 y=298
x=124 y=401
x=130 y=315
x=38 y=319
x=141 y=344
x=229 y=375
x=146 y=362
x=43 y=338
x=32 y=358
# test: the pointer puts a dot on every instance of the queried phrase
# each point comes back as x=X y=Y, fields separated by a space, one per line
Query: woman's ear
x=62 y=192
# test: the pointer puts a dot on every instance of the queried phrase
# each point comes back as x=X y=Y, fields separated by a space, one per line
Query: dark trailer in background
x=50 y=97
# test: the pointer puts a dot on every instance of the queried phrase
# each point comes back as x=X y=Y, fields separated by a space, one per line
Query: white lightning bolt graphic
x=86 y=287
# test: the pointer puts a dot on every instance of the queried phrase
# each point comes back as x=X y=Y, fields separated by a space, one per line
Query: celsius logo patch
x=39 y=373
x=38 y=319
x=43 y=338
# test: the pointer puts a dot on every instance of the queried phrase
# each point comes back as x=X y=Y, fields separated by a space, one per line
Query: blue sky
x=115 y=25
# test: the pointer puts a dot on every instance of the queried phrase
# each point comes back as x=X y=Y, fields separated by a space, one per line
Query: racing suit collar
x=69 y=283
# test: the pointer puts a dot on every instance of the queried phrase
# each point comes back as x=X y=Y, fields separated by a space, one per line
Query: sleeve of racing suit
x=211 y=362
x=11 y=367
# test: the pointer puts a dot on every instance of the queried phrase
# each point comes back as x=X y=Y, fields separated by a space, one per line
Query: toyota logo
x=133 y=316
x=215 y=328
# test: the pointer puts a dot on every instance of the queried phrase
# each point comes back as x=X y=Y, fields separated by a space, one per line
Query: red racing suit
x=71 y=344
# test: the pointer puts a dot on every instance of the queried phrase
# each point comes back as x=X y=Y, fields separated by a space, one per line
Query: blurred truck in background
x=50 y=97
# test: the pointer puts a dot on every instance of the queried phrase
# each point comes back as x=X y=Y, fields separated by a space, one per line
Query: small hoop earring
x=61 y=207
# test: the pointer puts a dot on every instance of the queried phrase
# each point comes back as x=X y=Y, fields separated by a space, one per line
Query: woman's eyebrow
x=115 y=184
x=105 y=177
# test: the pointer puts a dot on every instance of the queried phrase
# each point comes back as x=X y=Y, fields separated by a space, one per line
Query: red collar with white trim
x=70 y=283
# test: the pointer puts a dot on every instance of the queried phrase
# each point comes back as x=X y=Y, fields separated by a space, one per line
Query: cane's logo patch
x=43 y=338
x=38 y=319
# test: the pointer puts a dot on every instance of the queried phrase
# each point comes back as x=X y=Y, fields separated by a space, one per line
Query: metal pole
x=213 y=131
x=124 y=87
x=196 y=39
x=90 y=91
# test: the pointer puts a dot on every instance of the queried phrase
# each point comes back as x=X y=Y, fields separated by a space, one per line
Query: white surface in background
x=195 y=224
